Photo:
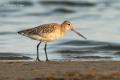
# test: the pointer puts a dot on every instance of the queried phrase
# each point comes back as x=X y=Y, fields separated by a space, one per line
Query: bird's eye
x=69 y=24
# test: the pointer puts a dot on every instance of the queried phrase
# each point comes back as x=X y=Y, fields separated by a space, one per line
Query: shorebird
x=47 y=33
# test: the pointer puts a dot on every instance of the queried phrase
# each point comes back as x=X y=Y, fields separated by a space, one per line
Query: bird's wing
x=45 y=29
x=41 y=30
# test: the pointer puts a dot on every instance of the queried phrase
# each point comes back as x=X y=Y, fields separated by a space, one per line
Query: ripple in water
x=69 y=3
x=88 y=50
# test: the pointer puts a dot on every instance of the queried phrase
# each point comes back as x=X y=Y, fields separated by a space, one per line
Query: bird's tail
x=20 y=32
x=24 y=32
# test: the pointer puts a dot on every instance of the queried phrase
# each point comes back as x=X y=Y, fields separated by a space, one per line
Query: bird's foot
x=37 y=59
x=47 y=60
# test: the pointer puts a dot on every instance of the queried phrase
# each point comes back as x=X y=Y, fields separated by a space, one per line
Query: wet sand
x=66 y=70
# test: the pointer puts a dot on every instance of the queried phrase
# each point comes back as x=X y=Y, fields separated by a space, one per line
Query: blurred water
x=98 y=20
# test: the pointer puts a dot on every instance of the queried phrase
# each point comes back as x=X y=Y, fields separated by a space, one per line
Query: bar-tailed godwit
x=47 y=33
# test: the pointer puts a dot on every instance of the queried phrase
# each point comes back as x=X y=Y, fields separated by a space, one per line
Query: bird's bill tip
x=74 y=30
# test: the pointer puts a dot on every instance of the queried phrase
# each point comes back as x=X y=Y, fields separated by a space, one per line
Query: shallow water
x=98 y=20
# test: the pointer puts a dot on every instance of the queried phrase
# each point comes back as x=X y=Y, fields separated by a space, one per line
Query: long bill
x=74 y=30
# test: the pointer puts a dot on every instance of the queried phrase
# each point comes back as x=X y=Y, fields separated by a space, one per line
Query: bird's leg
x=37 y=59
x=46 y=51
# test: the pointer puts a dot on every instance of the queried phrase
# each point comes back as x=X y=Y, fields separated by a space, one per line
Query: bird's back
x=46 y=28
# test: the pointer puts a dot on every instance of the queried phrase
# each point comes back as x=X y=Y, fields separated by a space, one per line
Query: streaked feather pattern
x=45 y=32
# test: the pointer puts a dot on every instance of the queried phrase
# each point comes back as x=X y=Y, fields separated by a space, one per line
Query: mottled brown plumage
x=44 y=33
x=48 y=32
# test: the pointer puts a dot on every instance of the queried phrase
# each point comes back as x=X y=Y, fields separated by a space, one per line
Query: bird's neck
x=63 y=28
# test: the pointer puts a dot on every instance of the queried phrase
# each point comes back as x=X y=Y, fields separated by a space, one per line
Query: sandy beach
x=66 y=70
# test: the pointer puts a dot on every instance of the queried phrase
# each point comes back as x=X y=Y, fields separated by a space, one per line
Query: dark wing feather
x=27 y=32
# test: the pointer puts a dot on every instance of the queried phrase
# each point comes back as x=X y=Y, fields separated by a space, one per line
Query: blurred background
x=98 y=20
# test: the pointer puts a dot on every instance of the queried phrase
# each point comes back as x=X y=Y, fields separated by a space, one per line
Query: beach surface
x=65 y=70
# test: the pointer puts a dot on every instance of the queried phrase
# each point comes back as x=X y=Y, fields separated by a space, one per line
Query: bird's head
x=67 y=25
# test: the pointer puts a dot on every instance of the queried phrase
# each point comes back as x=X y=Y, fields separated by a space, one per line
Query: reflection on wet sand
x=13 y=56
